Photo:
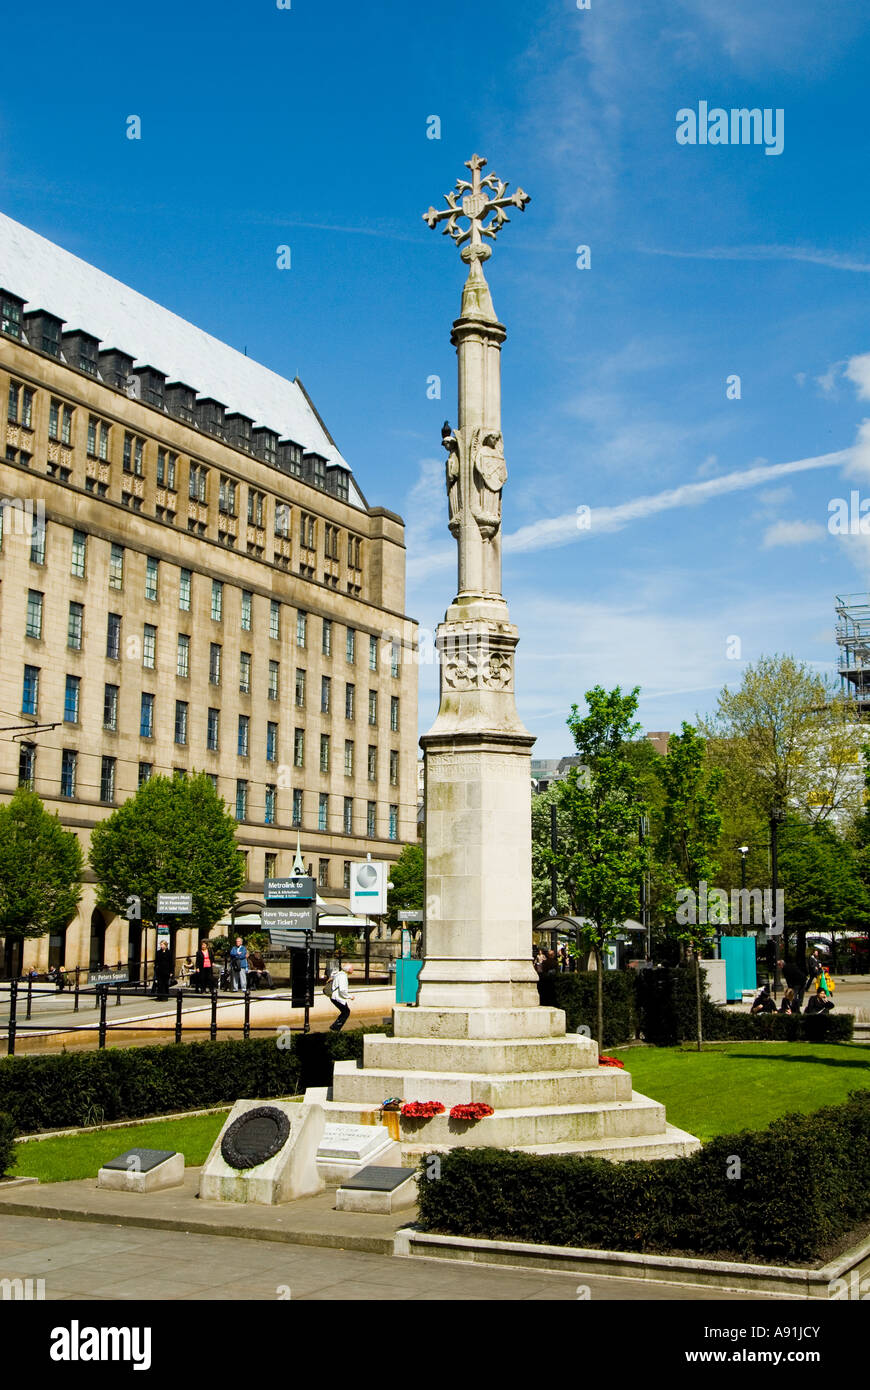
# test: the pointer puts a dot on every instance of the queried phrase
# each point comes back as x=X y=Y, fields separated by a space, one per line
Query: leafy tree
x=690 y=829
x=40 y=871
x=408 y=877
x=602 y=860
x=541 y=856
x=820 y=874
x=174 y=836
x=785 y=739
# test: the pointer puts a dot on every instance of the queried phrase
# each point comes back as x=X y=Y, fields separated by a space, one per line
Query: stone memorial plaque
x=255 y=1137
x=265 y=1153
x=351 y=1143
x=377 y=1179
x=140 y=1160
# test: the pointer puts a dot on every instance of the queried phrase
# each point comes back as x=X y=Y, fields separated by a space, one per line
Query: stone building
x=190 y=579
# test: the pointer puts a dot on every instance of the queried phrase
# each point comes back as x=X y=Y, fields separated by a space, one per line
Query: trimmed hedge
x=7 y=1144
x=667 y=1015
x=575 y=992
x=803 y=1181
x=73 y=1089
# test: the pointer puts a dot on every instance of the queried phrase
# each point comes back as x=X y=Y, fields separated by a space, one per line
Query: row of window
x=111 y=698
x=78 y=568
x=108 y=772
x=148 y=646
x=20 y=411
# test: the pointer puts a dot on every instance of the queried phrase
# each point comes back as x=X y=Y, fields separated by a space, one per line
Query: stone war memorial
x=478 y=1035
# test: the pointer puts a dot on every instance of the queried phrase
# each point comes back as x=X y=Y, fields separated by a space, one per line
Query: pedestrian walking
x=204 y=977
x=814 y=970
x=239 y=965
x=163 y=970
x=339 y=985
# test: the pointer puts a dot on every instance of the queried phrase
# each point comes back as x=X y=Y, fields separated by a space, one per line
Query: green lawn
x=81 y=1155
x=734 y=1086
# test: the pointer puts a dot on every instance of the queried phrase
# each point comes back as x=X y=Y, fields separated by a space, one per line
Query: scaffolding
x=853 y=639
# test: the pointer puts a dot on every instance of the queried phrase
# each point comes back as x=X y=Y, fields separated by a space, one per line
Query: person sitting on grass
x=819 y=1004
x=762 y=1003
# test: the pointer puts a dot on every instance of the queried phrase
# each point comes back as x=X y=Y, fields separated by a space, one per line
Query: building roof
x=50 y=278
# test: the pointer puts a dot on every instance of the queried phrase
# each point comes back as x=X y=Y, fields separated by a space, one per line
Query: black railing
x=180 y=1026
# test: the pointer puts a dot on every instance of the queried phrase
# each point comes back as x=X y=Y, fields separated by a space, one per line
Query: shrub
x=815 y=1164
x=7 y=1144
x=667 y=1015
x=575 y=992
x=84 y=1088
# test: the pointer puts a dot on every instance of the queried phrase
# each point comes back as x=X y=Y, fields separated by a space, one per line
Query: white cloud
x=834 y=260
x=793 y=533
x=858 y=372
x=559 y=530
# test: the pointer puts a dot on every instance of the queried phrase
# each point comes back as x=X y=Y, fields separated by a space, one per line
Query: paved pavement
x=81 y=1261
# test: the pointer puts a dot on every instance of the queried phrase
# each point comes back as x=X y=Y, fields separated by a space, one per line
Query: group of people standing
x=813 y=981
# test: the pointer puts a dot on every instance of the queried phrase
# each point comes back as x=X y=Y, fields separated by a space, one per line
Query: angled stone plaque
x=265 y=1153
x=143 y=1170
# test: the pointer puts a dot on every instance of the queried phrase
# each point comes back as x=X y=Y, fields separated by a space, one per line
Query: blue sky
x=308 y=127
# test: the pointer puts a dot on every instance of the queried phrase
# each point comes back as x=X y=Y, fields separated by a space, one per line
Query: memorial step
x=523 y=1126
x=373 y=1085
x=567 y=1053
x=673 y=1143
x=428 y=1022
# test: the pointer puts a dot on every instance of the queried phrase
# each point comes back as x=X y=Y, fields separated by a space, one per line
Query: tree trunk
x=698 y=996
x=599 y=970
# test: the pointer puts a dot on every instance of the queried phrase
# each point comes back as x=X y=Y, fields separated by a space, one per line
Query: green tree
x=408 y=877
x=602 y=862
x=820 y=875
x=785 y=739
x=174 y=836
x=40 y=871
x=690 y=829
x=541 y=856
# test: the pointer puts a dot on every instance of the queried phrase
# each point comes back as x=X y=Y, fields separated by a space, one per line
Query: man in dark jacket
x=795 y=978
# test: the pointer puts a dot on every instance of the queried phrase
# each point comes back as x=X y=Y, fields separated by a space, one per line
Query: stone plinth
x=289 y=1173
x=547 y=1091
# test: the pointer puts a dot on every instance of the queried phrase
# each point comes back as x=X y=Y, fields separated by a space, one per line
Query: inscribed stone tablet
x=140 y=1160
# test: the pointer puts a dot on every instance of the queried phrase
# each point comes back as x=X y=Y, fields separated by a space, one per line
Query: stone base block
x=528 y=1126
x=379 y=1190
x=168 y=1173
x=426 y=1022
x=486 y=1055
x=372 y=1086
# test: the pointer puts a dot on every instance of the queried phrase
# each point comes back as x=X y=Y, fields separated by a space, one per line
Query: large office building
x=190 y=579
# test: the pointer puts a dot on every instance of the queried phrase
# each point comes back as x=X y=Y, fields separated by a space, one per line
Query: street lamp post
x=743 y=850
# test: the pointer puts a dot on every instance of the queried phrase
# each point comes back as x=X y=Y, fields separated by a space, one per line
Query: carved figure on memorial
x=450 y=442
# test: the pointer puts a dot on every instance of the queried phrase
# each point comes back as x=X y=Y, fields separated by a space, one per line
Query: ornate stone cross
x=480 y=198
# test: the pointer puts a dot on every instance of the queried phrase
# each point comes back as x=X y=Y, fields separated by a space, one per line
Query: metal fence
x=21 y=994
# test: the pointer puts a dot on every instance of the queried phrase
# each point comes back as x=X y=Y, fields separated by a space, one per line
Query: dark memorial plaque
x=255 y=1137
x=377 y=1179
x=140 y=1160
